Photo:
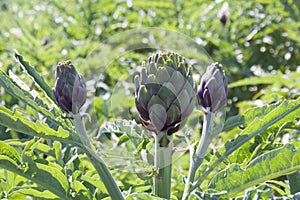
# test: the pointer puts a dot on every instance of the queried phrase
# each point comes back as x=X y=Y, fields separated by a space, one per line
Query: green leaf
x=35 y=75
x=248 y=116
x=124 y=127
x=260 y=192
x=142 y=195
x=94 y=180
x=271 y=79
x=210 y=195
x=10 y=152
x=57 y=148
x=37 y=104
x=294 y=182
x=56 y=182
x=37 y=193
x=124 y=138
x=81 y=192
x=46 y=176
x=287 y=111
x=102 y=109
x=16 y=121
x=39 y=148
x=235 y=180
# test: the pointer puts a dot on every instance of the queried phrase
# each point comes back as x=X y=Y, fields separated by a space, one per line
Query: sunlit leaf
x=234 y=179
x=37 y=193
x=10 y=152
x=16 y=121
x=35 y=75
x=35 y=102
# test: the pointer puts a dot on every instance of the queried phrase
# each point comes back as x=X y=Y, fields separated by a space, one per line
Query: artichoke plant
x=70 y=88
x=165 y=93
x=213 y=88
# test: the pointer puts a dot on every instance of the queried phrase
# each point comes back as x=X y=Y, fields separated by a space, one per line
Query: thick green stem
x=197 y=158
x=163 y=163
x=108 y=180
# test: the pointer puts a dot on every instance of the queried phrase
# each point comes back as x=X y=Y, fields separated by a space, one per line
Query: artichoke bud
x=213 y=88
x=164 y=94
x=70 y=87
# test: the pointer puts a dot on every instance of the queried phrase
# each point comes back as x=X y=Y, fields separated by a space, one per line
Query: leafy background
x=258 y=46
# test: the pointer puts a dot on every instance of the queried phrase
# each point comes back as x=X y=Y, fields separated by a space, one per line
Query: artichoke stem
x=80 y=129
x=163 y=164
x=104 y=173
x=197 y=158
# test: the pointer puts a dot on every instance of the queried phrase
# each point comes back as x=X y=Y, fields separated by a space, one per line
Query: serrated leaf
x=249 y=115
x=234 y=179
x=39 y=148
x=34 y=102
x=287 y=111
x=10 y=152
x=56 y=180
x=37 y=172
x=37 y=193
x=130 y=135
x=260 y=192
x=95 y=181
x=211 y=195
x=81 y=192
x=16 y=121
x=129 y=128
x=35 y=75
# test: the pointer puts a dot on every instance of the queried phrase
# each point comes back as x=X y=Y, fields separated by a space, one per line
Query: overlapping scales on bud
x=70 y=88
x=213 y=88
x=165 y=92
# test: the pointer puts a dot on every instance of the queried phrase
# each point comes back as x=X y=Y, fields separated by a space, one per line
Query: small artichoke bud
x=165 y=94
x=213 y=88
x=70 y=88
x=223 y=19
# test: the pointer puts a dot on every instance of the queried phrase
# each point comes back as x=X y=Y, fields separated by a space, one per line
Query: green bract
x=165 y=92
x=70 y=88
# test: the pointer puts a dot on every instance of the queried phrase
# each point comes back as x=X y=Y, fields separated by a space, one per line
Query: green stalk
x=163 y=163
x=197 y=158
x=108 y=180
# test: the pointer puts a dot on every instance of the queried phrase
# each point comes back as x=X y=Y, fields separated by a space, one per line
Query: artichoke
x=70 y=88
x=213 y=88
x=165 y=93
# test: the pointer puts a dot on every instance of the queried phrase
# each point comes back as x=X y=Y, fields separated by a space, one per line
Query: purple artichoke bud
x=223 y=19
x=70 y=88
x=165 y=92
x=213 y=88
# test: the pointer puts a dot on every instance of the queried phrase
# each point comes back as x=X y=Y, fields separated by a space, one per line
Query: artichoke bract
x=213 y=88
x=165 y=94
x=70 y=87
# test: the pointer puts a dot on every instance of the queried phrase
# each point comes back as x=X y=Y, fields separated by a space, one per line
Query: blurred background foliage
x=250 y=38
x=258 y=43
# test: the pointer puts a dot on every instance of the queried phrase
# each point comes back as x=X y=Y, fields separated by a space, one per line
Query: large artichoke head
x=70 y=88
x=165 y=93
